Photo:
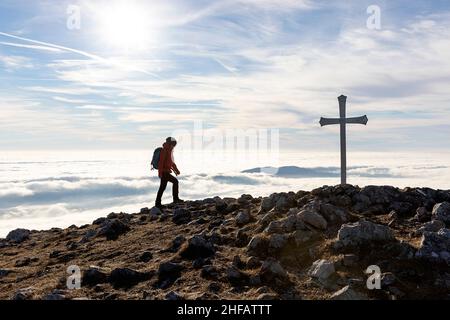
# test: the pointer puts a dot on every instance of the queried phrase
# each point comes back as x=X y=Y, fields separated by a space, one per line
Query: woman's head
x=171 y=141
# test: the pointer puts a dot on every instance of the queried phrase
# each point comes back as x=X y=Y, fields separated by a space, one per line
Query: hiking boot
x=178 y=201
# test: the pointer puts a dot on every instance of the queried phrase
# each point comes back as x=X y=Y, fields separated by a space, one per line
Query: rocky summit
x=334 y=242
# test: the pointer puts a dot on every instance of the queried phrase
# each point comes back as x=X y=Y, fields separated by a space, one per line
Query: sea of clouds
x=40 y=190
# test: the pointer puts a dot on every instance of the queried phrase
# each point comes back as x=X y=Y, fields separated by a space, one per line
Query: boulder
x=348 y=293
x=22 y=262
x=277 y=242
x=236 y=277
x=4 y=272
x=313 y=218
x=242 y=218
x=93 y=276
x=126 y=278
x=435 y=246
x=321 y=269
x=422 y=214
x=285 y=225
x=209 y=272
x=258 y=246
x=181 y=216
x=432 y=226
x=173 y=296
x=267 y=204
x=350 y=260
x=112 y=229
x=271 y=271
x=155 y=211
x=24 y=294
x=168 y=272
x=363 y=232
x=333 y=214
x=18 y=235
x=99 y=221
x=145 y=256
x=176 y=244
x=441 y=211
x=197 y=247
x=88 y=236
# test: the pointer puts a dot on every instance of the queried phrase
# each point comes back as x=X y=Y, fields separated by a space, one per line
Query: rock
x=197 y=247
x=267 y=297
x=88 y=236
x=333 y=214
x=18 y=235
x=173 y=296
x=238 y=263
x=236 y=276
x=313 y=218
x=285 y=225
x=321 y=269
x=23 y=294
x=146 y=256
x=23 y=262
x=242 y=218
x=221 y=205
x=209 y=272
x=441 y=211
x=112 y=229
x=253 y=263
x=155 y=211
x=361 y=202
x=144 y=211
x=254 y=280
x=435 y=246
x=258 y=246
x=347 y=293
x=272 y=270
x=300 y=237
x=99 y=221
x=422 y=214
x=4 y=272
x=277 y=242
x=168 y=272
x=282 y=203
x=214 y=287
x=93 y=276
x=350 y=260
x=176 y=244
x=54 y=297
x=432 y=226
x=126 y=278
x=181 y=216
x=267 y=204
x=387 y=279
x=363 y=232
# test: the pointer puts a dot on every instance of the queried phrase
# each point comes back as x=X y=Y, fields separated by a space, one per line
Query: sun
x=127 y=26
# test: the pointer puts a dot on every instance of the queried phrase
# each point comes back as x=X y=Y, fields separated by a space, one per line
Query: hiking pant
x=167 y=177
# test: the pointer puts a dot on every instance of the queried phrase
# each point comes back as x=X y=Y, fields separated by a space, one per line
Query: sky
x=94 y=75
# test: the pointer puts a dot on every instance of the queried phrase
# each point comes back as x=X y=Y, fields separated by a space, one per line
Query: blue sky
x=131 y=74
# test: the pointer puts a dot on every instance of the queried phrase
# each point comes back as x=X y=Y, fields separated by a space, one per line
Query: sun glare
x=127 y=26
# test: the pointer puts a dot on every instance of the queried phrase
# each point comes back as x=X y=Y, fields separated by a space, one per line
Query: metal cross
x=342 y=120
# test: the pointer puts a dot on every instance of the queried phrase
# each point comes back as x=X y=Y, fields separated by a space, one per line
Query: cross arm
x=354 y=120
x=358 y=120
x=329 y=121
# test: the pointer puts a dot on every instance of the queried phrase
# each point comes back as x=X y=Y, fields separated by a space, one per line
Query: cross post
x=342 y=121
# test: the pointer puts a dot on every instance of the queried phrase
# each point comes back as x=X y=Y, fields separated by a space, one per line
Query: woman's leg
x=162 y=188
x=174 y=182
